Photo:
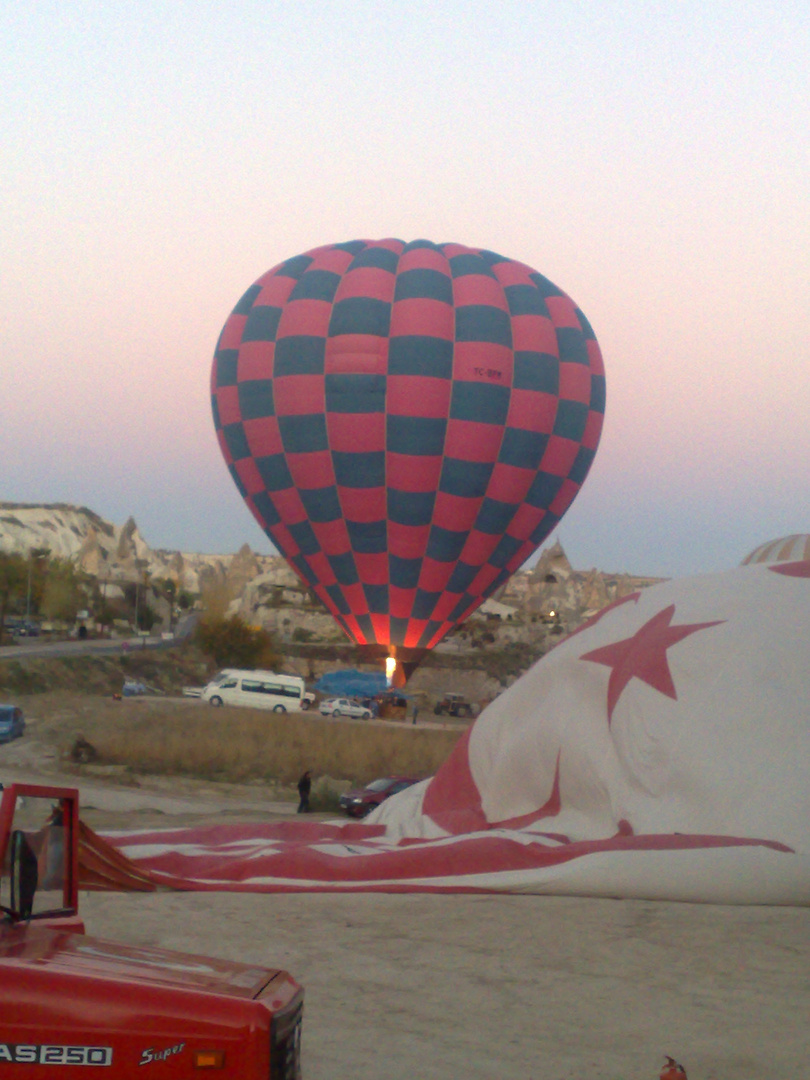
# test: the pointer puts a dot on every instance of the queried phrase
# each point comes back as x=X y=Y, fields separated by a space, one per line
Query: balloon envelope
x=407 y=422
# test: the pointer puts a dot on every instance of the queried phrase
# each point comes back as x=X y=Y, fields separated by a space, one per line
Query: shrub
x=232 y=643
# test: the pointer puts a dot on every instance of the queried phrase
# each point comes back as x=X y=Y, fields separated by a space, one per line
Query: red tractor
x=77 y=1001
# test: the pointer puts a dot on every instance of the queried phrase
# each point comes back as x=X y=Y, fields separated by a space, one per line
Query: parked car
x=341 y=706
x=27 y=629
x=362 y=801
x=12 y=723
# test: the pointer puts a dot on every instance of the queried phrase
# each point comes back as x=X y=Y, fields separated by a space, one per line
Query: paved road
x=36 y=647
x=41 y=647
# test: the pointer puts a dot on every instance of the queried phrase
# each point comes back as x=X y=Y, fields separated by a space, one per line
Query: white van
x=256 y=690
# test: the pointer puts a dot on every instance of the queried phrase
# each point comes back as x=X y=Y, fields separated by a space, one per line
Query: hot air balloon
x=407 y=422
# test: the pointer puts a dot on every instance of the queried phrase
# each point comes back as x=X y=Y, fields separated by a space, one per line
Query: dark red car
x=362 y=801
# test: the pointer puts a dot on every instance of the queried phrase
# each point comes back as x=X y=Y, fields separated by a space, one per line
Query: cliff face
x=265 y=591
x=119 y=554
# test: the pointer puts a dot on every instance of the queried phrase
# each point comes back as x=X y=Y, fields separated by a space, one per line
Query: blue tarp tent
x=351 y=683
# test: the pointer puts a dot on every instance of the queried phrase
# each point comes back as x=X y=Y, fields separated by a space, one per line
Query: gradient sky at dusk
x=651 y=158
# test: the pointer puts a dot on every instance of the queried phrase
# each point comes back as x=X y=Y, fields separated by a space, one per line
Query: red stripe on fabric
x=299 y=395
x=575 y=383
x=249 y=475
x=483 y=579
x=509 y=483
x=451 y=250
x=414 y=632
x=356 y=433
x=400 y=602
x=534 y=333
x=330 y=258
x=256 y=360
x=468 y=440
x=322 y=568
x=311 y=471
x=333 y=536
x=390 y=243
x=531 y=410
x=407 y=541
x=275 y=290
x=452 y=799
x=423 y=316
x=593 y=430
x=455 y=512
x=363 y=505
x=228 y=405
x=423 y=259
x=308 y=317
x=559 y=456
x=513 y=273
x=372 y=569
x=482 y=362
x=352 y=627
x=362 y=861
x=263 y=436
x=418 y=395
x=563 y=311
x=382 y=631
x=565 y=496
x=356 y=598
x=434 y=575
x=368 y=282
x=231 y=336
x=356 y=354
x=282 y=537
x=289 y=506
x=412 y=472
x=444 y=606
x=799 y=569
x=479 y=289
x=478 y=547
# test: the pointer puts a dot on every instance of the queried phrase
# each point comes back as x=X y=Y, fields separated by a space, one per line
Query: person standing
x=304 y=788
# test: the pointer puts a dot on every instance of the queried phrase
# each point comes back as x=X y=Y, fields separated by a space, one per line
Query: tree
x=167 y=589
x=65 y=592
x=13 y=582
x=232 y=643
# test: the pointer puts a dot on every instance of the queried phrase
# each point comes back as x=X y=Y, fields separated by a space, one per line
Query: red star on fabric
x=644 y=656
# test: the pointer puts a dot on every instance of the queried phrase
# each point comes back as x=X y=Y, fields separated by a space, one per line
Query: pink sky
x=650 y=158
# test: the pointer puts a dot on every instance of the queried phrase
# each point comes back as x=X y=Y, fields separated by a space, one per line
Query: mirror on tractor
x=36 y=872
x=24 y=875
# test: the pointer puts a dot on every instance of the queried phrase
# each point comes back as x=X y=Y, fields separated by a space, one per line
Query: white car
x=341 y=706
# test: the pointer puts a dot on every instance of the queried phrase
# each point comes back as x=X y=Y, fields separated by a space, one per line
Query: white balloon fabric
x=662 y=751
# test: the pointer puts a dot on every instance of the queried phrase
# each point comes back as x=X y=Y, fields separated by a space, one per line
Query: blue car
x=12 y=724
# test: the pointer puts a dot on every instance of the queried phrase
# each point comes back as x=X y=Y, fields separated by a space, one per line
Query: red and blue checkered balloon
x=407 y=422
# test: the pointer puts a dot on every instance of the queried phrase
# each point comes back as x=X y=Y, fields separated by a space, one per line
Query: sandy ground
x=495 y=987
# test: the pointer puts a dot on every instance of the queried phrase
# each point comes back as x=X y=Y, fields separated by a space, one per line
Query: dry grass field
x=184 y=737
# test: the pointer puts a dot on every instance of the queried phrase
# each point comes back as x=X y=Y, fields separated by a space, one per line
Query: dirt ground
x=467 y=987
